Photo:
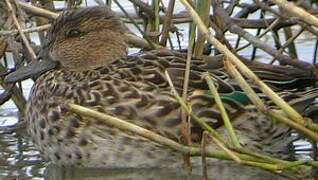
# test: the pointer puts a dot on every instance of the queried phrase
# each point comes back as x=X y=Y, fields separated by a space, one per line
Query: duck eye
x=73 y=33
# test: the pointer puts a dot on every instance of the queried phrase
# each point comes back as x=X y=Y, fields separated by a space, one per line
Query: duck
x=85 y=62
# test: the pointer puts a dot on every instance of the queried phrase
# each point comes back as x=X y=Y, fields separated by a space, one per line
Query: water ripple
x=18 y=157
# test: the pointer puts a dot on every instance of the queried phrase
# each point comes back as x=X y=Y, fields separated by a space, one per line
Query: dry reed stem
x=289 y=42
x=27 y=30
x=203 y=8
x=215 y=133
x=167 y=23
x=132 y=39
x=244 y=85
x=38 y=10
x=193 y=151
x=186 y=130
x=126 y=126
x=156 y=8
x=186 y=124
x=291 y=8
x=203 y=124
x=204 y=143
x=16 y=94
x=265 y=31
x=24 y=38
x=299 y=128
x=261 y=106
x=294 y=115
x=141 y=42
x=136 y=41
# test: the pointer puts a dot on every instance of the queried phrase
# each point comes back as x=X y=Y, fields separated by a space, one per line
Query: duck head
x=79 y=40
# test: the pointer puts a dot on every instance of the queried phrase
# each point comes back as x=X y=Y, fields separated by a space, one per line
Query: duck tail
x=303 y=101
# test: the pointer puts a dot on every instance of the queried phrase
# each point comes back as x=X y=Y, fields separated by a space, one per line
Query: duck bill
x=31 y=70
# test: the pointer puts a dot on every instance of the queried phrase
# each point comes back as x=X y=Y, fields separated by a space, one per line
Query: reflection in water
x=18 y=156
x=20 y=160
x=224 y=171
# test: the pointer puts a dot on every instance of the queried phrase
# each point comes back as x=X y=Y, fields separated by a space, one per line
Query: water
x=18 y=157
x=20 y=160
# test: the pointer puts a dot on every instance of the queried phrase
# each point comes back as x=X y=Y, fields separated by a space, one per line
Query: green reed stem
x=225 y=117
x=186 y=130
x=261 y=106
x=193 y=151
x=203 y=9
x=227 y=150
x=292 y=113
x=155 y=23
x=203 y=124
x=126 y=126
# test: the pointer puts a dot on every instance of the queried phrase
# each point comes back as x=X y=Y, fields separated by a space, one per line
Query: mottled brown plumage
x=94 y=71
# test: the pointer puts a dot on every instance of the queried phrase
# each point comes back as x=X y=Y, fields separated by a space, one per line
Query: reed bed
x=208 y=22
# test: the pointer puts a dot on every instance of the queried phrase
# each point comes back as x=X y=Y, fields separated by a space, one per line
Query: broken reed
x=231 y=151
x=271 y=164
x=272 y=24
